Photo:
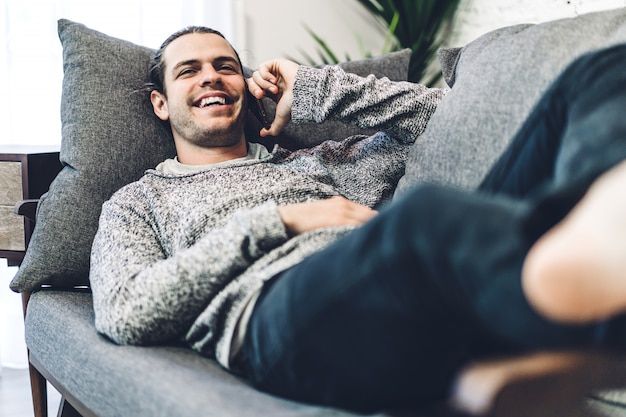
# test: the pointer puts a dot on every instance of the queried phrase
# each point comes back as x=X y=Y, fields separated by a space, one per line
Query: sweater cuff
x=306 y=89
x=266 y=228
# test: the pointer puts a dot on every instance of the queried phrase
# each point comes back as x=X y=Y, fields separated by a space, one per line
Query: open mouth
x=210 y=101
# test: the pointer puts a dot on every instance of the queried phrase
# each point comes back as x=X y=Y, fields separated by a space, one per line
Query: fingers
x=335 y=211
x=351 y=212
x=282 y=116
x=263 y=82
x=266 y=78
x=275 y=128
x=275 y=79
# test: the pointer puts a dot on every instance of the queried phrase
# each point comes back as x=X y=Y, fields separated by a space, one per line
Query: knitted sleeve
x=140 y=295
x=401 y=109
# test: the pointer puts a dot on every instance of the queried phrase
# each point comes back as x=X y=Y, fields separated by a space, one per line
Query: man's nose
x=210 y=76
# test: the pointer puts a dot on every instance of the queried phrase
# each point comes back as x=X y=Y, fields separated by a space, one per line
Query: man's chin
x=215 y=132
x=219 y=138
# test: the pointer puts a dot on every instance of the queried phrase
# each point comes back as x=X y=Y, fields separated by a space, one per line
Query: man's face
x=205 y=92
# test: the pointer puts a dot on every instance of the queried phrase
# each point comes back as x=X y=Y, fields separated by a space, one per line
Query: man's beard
x=209 y=137
x=212 y=138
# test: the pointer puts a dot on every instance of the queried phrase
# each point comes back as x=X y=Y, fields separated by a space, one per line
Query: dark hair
x=157 y=66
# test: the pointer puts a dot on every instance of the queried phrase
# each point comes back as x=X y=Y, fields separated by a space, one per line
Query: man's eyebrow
x=228 y=58
x=184 y=64
x=219 y=59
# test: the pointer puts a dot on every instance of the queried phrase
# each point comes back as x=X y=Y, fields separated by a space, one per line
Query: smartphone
x=258 y=110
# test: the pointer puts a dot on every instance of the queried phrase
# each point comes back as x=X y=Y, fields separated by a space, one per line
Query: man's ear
x=159 y=104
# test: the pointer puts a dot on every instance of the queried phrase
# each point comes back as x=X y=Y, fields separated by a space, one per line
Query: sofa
x=110 y=136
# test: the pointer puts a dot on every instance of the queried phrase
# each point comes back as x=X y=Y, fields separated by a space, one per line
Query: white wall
x=274 y=28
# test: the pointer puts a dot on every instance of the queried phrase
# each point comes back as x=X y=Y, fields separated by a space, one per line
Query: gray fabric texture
x=448 y=58
x=115 y=381
x=172 y=250
x=497 y=80
x=125 y=380
x=110 y=136
x=393 y=66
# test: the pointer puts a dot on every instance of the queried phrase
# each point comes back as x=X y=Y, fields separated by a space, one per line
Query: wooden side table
x=25 y=173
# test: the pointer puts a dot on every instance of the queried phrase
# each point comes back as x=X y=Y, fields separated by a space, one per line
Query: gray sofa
x=110 y=137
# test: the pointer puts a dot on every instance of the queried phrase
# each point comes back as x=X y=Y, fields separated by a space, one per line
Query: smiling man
x=278 y=265
x=205 y=99
x=187 y=251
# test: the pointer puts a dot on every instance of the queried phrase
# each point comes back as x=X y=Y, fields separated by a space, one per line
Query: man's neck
x=189 y=154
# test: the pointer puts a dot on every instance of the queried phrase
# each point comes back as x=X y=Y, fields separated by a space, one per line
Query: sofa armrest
x=27 y=208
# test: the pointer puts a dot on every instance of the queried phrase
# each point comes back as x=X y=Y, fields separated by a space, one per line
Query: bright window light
x=31 y=71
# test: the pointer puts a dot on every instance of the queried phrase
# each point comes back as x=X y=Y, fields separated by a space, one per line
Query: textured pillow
x=110 y=137
x=448 y=58
x=496 y=81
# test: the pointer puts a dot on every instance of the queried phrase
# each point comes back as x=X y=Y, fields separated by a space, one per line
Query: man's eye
x=186 y=71
x=227 y=68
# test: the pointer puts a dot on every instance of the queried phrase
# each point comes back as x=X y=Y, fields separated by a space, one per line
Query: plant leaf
x=422 y=25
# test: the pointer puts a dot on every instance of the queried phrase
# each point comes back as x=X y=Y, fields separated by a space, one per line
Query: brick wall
x=476 y=17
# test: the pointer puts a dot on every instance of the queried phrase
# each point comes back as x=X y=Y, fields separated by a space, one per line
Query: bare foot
x=576 y=272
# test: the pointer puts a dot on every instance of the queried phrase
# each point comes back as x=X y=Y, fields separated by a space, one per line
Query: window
x=31 y=75
x=31 y=58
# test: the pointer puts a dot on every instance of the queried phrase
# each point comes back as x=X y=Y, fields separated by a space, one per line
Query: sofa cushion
x=110 y=136
x=496 y=81
x=112 y=380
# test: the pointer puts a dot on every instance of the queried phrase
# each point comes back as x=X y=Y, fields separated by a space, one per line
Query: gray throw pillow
x=496 y=80
x=110 y=136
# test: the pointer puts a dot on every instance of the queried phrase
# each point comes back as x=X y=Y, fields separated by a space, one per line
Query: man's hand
x=336 y=211
x=275 y=79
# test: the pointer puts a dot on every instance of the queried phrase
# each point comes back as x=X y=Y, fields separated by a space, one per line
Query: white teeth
x=207 y=101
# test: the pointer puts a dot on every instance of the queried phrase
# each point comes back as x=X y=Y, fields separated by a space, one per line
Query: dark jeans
x=385 y=317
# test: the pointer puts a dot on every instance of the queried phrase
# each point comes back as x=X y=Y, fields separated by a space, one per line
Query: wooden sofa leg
x=38 y=384
x=39 y=391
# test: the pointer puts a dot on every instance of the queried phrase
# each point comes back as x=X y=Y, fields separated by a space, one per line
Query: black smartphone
x=258 y=110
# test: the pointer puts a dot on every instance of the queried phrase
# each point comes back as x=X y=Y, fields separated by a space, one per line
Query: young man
x=278 y=264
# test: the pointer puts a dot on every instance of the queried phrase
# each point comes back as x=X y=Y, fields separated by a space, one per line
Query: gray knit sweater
x=179 y=256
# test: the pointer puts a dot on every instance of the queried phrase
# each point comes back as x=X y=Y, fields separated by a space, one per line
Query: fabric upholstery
x=448 y=58
x=125 y=380
x=110 y=137
x=117 y=381
x=130 y=381
x=496 y=80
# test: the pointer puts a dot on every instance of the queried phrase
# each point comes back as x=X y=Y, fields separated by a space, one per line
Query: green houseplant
x=421 y=25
